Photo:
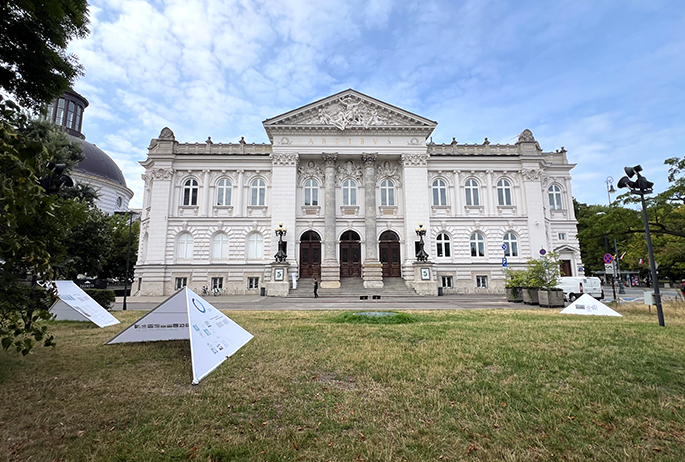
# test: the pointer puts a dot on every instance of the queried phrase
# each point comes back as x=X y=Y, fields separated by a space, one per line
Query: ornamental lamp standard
x=421 y=255
x=610 y=187
x=642 y=186
x=280 y=232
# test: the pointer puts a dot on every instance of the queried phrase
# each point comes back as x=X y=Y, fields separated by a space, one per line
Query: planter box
x=551 y=298
x=515 y=294
x=530 y=296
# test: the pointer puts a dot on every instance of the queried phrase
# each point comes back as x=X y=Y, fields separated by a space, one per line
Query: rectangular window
x=77 y=123
x=562 y=236
x=253 y=283
x=217 y=283
x=180 y=283
x=70 y=114
x=482 y=282
x=59 y=120
x=447 y=281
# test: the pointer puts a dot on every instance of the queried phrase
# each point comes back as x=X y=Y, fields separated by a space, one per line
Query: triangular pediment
x=349 y=110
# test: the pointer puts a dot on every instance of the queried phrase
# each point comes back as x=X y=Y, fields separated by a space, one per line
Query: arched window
x=443 y=243
x=185 y=246
x=471 y=188
x=503 y=192
x=477 y=245
x=512 y=249
x=255 y=246
x=258 y=192
x=220 y=246
x=311 y=192
x=387 y=192
x=190 y=188
x=349 y=190
x=439 y=192
x=554 y=197
x=223 y=192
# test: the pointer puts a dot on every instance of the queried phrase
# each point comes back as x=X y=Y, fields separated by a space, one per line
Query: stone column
x=330 y=269
x=372 y=269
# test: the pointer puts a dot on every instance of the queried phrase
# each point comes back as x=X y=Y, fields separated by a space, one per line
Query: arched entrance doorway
x=310 y=255
x=350 y=255
x=389 y=254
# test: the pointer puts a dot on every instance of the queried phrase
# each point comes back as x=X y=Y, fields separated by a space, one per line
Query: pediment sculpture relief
x=352 y=111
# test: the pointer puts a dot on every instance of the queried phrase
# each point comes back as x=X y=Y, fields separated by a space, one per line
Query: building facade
x=352 y=179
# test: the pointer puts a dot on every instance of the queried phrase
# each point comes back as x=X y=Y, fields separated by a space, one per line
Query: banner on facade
x=588 y=305
x=74 y=304
x=213 y=336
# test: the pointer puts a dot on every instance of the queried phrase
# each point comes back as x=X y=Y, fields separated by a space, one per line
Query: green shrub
x=515 y=278
x=104 y=297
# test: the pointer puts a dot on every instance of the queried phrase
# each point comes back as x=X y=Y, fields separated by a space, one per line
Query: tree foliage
x=34 y=34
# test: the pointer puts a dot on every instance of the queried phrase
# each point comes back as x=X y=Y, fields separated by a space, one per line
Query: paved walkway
x=257 y=303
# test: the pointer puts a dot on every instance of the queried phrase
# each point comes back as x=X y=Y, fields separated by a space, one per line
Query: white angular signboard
x=213 y=336
x=588 y=305
x=74 y=304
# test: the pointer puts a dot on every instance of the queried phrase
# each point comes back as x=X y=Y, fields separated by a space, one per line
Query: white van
x=574 y=287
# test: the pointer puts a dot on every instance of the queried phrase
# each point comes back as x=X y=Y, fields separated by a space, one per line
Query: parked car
x=574 y=287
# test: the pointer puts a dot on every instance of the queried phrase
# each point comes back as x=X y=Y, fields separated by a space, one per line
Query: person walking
x=316 y=288
x=682 y=288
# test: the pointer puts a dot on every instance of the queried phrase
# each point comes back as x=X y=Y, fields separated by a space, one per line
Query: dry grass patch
x=462 y=385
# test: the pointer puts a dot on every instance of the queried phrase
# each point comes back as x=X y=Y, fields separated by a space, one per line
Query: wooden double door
x=350 y=255
x=389 y=254
x=310 y=255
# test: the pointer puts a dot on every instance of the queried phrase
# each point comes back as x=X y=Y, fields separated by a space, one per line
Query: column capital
x=369 y=159
x=329 y=158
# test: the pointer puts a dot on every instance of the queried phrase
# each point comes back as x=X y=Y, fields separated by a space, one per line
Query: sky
x=602 y=78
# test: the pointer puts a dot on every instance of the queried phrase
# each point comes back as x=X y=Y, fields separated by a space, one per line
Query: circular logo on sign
x=200 y=307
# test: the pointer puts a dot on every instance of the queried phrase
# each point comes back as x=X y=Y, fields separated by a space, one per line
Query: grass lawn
x=452 y=385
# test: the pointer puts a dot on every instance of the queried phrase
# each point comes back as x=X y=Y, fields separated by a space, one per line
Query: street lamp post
x=281 y=254
x=610 y=190
x=421 y=255
x=128 y=257
x=641 y=187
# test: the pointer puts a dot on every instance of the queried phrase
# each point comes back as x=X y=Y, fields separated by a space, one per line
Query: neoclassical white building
x=351 y=178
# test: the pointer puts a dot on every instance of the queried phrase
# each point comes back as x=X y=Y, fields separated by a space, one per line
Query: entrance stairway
x=353 y=288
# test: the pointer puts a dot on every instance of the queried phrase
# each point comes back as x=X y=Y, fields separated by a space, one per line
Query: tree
x=114 y=265
x=34 y=64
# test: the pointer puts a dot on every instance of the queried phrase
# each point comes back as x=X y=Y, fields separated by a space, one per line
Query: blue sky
x=603 y=78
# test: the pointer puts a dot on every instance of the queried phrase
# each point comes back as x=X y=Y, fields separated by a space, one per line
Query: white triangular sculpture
x=214 y=337
x=74 y=304
x=589 y=305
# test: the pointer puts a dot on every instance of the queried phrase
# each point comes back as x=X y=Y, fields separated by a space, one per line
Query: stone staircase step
x=354 y=288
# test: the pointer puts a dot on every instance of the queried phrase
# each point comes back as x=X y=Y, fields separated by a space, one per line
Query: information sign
x=504 y=262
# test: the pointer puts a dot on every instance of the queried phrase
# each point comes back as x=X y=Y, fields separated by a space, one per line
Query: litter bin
x=262 y=291
x=439 y=291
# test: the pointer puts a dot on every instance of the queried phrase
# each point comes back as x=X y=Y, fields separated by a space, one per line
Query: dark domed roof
x=98 y=163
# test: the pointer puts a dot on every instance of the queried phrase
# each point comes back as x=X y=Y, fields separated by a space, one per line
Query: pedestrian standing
x=316 y=288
